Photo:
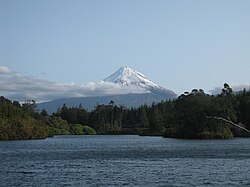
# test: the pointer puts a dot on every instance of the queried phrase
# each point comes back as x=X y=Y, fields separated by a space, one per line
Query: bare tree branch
x=230 y=122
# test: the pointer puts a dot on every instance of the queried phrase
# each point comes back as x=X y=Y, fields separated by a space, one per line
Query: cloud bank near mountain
x=236 y=87
x=20 y=87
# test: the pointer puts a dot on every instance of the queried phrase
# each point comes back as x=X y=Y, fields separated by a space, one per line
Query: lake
x=124 y=161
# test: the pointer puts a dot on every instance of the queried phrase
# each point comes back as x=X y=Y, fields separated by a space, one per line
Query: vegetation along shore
x=194 y=115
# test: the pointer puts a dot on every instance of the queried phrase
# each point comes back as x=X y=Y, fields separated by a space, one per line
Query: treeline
x=23 y=121
x=191 y=115
x=17 y=123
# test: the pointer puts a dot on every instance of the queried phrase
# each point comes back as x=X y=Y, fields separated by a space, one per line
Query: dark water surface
x=124 y=161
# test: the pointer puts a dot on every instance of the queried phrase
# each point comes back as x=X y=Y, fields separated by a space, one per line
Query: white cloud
x=4 y=70
x=235 y=87
x=21 y=87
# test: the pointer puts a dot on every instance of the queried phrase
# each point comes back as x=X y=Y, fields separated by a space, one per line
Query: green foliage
x=56 y=131
x=185 y=117
x=79 y=129
x=73 y=114
x=56 y=122
x=56 y=126
x=189 y=116
x=191 y=112
x=107 y=119
x=243 y=109
x=17 y=123
x=218 y=133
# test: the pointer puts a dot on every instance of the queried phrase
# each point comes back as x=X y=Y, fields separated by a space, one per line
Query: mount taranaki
x=126 y=78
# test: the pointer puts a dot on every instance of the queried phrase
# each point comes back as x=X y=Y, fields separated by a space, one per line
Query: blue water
x=124 y=161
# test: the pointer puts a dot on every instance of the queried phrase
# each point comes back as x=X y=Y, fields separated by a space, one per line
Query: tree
x=142 y=119
x=156 y=123
x=44 y=113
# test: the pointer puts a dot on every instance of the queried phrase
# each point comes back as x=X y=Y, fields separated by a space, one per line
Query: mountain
x=128 y=100
x=125 y=77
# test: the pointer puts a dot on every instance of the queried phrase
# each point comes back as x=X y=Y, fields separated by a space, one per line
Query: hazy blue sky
x=179 y=44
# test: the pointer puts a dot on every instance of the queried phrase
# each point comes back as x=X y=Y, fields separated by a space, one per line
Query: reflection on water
x=124 y=160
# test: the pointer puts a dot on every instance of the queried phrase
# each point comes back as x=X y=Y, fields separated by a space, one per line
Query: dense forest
x=23 y=121
x=194 y=115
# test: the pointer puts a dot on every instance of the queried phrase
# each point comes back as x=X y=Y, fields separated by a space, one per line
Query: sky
x=60 y=48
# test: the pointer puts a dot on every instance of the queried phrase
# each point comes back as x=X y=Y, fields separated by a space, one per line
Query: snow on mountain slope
x=127 y=77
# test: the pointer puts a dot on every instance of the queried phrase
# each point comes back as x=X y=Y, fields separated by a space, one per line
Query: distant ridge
x=126 y=100
x=124 y=76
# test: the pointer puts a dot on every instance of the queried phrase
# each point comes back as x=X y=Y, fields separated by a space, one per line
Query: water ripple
x=125 y=161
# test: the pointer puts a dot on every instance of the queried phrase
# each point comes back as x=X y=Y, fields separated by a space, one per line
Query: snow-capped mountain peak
x=127 y=76
x=138 y=90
